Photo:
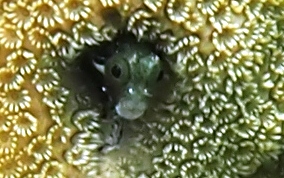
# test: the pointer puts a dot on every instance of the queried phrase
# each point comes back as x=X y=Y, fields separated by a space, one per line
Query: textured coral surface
x=223 y=118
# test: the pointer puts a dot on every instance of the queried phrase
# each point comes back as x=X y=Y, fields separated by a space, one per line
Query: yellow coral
x=223 y=119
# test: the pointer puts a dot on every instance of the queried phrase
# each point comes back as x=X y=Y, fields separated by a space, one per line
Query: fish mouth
x=130 y=109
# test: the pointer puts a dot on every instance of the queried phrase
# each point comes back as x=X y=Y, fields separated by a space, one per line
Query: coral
x=223 y=118
x=52 y=169
x=19 y=13
x=10 y=36
x=180 y=45
x=76 y=10
x=178 y=11
x=66 y=46
x=154 y=5
x=141 y=23
x=45 y=79
x=8 y=168
x=8 y=143
x=210 y=7
x=227 y=40
x=86 y=120
x=26 y=161
x=86 y=140
x=25 y=124
x=22 y=61
x=41 y=148
x=56 y=97
x=47 y=13
x=59 y=135
x=195 y=21
x=109 y=3
x=16 y=100
x=5 y=124
x=39 y=37
x=86 y=33
x=10 y=79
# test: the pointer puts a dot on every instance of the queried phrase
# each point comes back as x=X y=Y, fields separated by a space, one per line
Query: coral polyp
x=9 y=143
x=11 y=37
x=16 y=100
x=40 y=148
x=178 y=11
x=25 y=124
x=65 y=45
x=76 y=10
x=22 y=61
x=39 y=38
x=10 y=79
x=19 y=13
x=45 y=79
x=8 y=168
x=86 y=33
x=52 y=169
x=63 y=72
x=46 y=13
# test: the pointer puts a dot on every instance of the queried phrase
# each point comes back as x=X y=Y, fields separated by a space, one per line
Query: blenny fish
x=132 y=75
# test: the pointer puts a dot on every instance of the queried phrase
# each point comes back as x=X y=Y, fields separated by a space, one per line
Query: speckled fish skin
x=224 y=117
x=139 y=70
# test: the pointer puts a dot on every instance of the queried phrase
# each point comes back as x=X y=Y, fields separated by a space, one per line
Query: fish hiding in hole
x=132 y=74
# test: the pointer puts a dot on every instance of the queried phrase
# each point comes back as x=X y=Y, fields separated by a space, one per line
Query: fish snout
x=131 y=107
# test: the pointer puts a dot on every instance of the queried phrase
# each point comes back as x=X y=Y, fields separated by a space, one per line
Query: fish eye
x=116 y=71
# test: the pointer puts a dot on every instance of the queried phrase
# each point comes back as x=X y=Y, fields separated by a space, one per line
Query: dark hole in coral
x=160 y=76
x=87 y=74
x=271 y=168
